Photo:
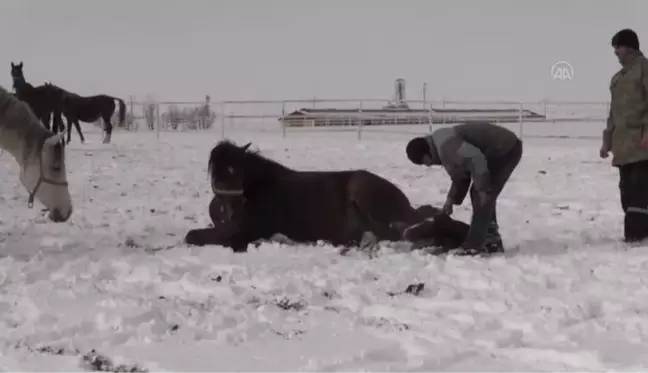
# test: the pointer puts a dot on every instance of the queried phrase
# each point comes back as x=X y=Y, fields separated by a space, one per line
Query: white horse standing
x=40 y=154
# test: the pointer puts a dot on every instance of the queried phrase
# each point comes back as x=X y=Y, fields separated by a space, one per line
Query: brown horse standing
x=89 y=109
x=305 y=206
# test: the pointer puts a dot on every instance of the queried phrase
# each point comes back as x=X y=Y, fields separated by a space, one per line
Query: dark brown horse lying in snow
x=264 y=198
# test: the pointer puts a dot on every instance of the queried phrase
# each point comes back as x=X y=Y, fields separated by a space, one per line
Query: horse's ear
x=20 y=64
x=12 y=64
x=246 y=146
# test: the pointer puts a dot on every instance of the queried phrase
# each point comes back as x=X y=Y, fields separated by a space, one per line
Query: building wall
x=298 y=122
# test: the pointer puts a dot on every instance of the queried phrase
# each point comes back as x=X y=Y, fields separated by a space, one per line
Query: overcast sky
x=280 y=49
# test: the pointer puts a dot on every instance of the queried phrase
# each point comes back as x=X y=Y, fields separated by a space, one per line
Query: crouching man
x=482 y=153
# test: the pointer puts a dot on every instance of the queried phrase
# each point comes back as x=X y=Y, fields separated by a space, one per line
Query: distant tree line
x=176 y=118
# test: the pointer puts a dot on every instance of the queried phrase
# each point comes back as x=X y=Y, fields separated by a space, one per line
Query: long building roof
x=381 y=113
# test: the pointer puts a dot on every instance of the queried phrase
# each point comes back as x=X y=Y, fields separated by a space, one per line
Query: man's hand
x=603 y=153
x=447 y=207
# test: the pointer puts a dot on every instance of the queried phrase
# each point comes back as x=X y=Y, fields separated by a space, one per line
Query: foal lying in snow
x=441 y=232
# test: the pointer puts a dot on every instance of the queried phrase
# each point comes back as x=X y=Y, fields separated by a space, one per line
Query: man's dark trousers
x=484 y=216
x=633 y=185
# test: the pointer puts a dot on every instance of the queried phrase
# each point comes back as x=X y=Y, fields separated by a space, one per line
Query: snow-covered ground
x=117 y=279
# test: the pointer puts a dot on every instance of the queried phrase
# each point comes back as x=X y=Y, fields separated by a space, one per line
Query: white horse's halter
x=228 y=192
x=42 y=179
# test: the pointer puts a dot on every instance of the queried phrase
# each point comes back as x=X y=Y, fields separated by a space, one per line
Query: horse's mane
x=254 y=163
x=17 y=117
x=25 y=85
x=16 y=113
x=54 y=87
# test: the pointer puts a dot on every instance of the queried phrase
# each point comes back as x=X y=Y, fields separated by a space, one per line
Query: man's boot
x=494 y=242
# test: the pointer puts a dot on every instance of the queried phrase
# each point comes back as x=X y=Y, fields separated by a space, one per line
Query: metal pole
x=521 y=120
x=158 y=121
x=222 y=119
x=546 y=104
x=430 y=118
x=283 y=121
x=360 y=124
x=424 y=95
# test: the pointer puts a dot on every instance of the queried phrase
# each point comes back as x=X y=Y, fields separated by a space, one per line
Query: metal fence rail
x=554 y=118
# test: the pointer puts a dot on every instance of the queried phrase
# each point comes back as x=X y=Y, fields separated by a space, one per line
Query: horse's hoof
x=193 y=238
x=345 y=251
x=369 y=241
x=239 y=250
x=281 y=238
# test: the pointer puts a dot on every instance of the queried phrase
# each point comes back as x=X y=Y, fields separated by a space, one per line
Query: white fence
x=561 y=119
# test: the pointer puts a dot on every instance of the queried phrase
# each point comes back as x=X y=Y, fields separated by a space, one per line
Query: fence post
x=158 y=121
x=546 y=104
x=283 y=121
x=360 y=123
x=132 y=112
x=521 y=121
x=206 y=113
x=430 y=118
x=222 y=119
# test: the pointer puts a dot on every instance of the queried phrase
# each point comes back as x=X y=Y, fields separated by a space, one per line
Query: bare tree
x=191 y=118
x=149 y=108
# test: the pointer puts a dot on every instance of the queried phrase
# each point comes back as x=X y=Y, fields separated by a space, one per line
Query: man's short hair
x=626 y=38
x=416 y=149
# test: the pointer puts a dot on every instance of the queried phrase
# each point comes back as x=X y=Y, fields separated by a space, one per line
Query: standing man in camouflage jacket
x=482 y=153
x=626 y=133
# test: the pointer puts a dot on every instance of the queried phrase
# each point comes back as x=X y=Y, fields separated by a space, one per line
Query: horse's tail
x=122 y=110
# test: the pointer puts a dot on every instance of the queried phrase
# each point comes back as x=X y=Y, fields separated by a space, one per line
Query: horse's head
x=44 y=176
x=440 y=228
x=17 y=71
x=227 y=163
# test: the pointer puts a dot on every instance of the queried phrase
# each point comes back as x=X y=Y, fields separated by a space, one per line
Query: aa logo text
x=562 y=70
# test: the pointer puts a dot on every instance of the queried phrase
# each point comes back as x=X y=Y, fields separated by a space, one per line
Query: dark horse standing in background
x=267 y=198
x=74 y=107
x=41 y=99
x=89 y=109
